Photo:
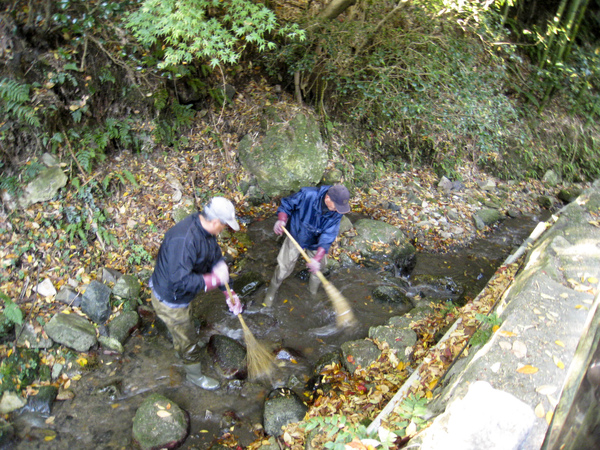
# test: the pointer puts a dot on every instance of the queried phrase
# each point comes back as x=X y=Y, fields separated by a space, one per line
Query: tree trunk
x=334 y=8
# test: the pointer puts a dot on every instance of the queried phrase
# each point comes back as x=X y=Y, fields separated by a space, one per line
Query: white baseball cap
x=222 y=209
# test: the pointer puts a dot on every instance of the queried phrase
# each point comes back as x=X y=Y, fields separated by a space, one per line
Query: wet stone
x=160 y=423
x=397 y=338
x=247 y=284
x=282 y=407
x=34 y=339
x=42 y=402
x=127 y=287
x=228 y=355
x=110 y=275
x=392 y=295
x=123 y=325
x=68 y=296
x=359 y=353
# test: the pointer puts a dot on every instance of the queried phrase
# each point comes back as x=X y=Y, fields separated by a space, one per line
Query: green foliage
x=340 y=432
x=14 y=99
x=12 y=312
x=138 y=255
x=412 y=409
x=123 y=177
x=207 y=30
x=485 y=330
x=18 y=370
x=170 y=124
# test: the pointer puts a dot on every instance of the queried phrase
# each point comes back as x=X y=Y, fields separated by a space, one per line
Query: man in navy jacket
x=189 y=262
x=312 y=216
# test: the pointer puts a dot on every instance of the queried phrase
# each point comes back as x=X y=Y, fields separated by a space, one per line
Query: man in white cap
x=312 y=216
x=189 y=262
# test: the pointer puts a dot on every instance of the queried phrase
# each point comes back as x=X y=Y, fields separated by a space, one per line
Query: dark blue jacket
x=310 y=221
x=187 y=252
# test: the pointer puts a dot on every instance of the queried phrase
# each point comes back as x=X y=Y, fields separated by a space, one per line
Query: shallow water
x=107 y=397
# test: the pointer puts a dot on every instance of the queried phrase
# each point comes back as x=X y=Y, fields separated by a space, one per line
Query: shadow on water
x=107 y=396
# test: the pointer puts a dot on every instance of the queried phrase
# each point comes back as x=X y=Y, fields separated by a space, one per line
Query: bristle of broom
x=260 y=360
x=343 y=313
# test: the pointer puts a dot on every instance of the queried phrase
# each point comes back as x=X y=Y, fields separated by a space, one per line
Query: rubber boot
x=271 y=292
x=194 y=375
x=313 y=285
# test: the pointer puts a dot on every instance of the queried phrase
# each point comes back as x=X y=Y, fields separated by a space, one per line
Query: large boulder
x=44 y=187
x=291 y=155
x=382 y=243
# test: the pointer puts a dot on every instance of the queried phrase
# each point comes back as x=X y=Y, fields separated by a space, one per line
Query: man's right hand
x=281 y=222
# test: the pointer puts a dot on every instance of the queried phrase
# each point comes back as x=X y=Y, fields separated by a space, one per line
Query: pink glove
x=234 y=303
x=210 y=281
x=221 y=271
x=314 y=265
x=282 y=219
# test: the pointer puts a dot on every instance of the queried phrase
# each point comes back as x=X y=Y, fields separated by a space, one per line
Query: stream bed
x=108 y=394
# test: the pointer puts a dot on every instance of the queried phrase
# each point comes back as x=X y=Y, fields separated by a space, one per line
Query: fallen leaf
x=163 y=413
x=559 y=343
x=527 y=369
x=558 y=362
x=539 y=410
x=549 y=415
x=507 y=333
x=519 y=349
x=545 y=389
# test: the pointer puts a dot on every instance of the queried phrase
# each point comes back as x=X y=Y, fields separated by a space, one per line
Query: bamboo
x=343 y=312
x=260 y=361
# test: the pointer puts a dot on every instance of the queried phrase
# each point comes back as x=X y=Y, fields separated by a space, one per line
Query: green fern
x=13 y=102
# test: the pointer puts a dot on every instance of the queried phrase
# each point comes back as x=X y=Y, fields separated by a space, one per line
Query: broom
x=260 y=360
x=343 y=312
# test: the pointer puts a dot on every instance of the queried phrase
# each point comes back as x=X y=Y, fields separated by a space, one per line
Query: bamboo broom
x=260 y=360
x=343 y=312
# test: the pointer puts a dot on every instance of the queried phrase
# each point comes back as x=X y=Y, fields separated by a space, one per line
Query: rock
x=11 y=401
x=290 y=156
x=345 y=225
x=96 y=302
x=110 y=275
x=123 y=325
x=489 y=216
x=160 y=423
x=487 y=185
x=68 y=296
x=445 y=185
x=186 y=208
x=49 y=160
x=110 y=344
x=6 y=433
x=127 y=287
x=44 y=187
x=551 y=178
x=545 y=201
x=45 y=288
x=359 y=353
x=42 y=401
x=32 y=338
x=228 y=355
x=484 y=418
x=392 y=295
x=382 y=243
x=569 y=195
x=247 y=283
x=332 y=176
x=282 y=407
x=72 y=331
x=399 y=339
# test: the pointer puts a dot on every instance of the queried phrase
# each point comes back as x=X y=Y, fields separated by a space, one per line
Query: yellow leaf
x=49 y=438
x=592 y=280
x=559 y=343
x=76 y=377
x=558 y=362
x=67 y=384
x=203 y=431
x=539 y=410
x=66 y=311
x=163 y=413
x=549 y=415
x=82 y=361
x=50 y=420
x=507 y=333
x=495 y=328
x=115 y=405
x=527 y=369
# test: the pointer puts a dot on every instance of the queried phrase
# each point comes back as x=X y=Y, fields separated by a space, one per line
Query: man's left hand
x=234 y=303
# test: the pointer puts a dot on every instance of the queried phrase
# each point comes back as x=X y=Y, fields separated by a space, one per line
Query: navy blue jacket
x=187 y=252
x=310 y=221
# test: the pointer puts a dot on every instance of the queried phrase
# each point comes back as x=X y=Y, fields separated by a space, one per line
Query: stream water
x=100 y=414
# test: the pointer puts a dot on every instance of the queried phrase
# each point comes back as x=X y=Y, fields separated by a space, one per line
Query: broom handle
x=306 y=257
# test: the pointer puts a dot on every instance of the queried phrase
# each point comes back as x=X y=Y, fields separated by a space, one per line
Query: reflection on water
x=107 y=397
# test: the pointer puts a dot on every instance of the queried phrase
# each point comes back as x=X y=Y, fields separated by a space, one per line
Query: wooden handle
x=306 y=257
